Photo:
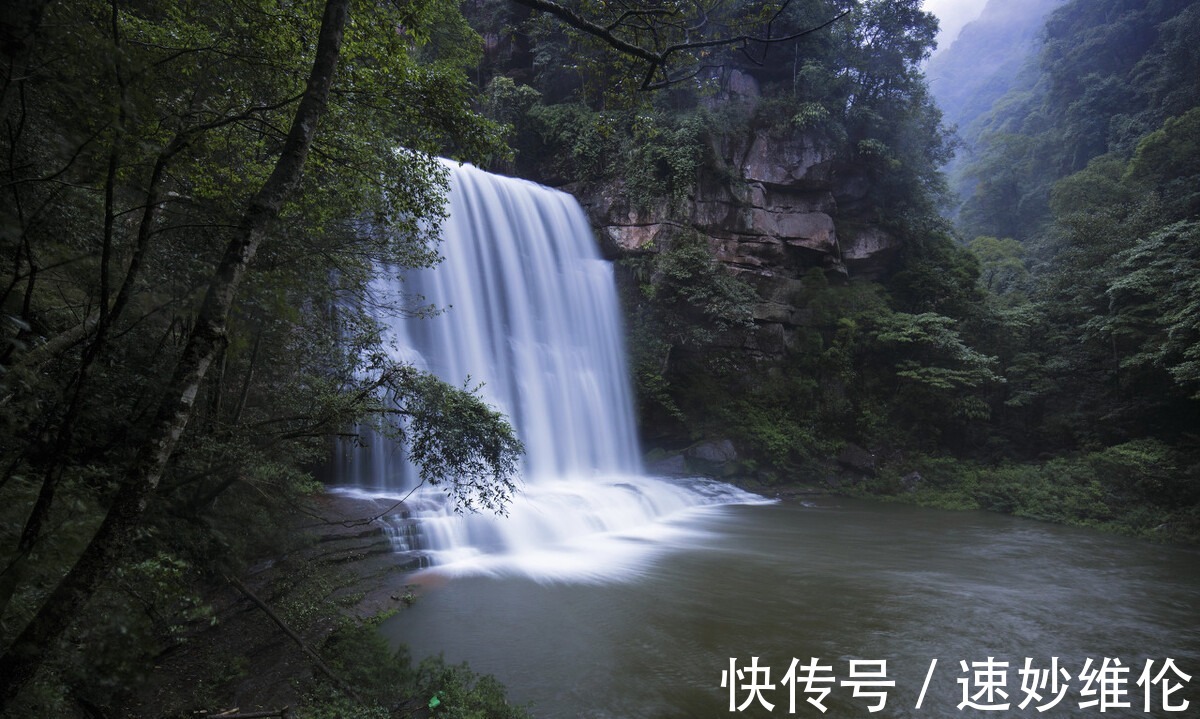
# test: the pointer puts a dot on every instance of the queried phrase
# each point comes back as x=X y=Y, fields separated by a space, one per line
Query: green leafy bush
x=387 y=680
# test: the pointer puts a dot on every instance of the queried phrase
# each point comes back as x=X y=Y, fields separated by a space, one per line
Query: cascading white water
x=531 y=313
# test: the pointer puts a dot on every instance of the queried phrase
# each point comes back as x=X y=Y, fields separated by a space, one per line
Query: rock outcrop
x=716 y=458
x=711 y=458
x=777 y=208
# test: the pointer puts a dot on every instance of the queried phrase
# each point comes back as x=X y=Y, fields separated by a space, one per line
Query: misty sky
x=952 y=15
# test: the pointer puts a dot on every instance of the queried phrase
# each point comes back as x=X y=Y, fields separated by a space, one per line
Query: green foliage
x=1096 y=342
x=1168 y=161
x=1108 y=74
x=932 y=354
x=655 y=154
x=968 y=77
x=1098 y=185
x=810 y=115
x=385 y=678
x=1132 y=488
x=856 y=84
x=702 y=297
x=778 y=433
x=1002 y=269
x=457 y=441
x=1110 y=297
x=664 y=159
x=858 y=370
x=510 y=103
x=935 y=273
x=506 y=101
x=1154 y=305
x=682 y=304
x=581 y=142
x=875 y=149
x=920 y=382
x=359 y=654
x=114 y=215
x=462 y=694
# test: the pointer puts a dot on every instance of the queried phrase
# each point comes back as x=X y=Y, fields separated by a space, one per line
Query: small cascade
x=531 y=314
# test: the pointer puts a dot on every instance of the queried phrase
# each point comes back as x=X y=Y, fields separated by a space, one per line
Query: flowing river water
x=607 y=593
x=839 y=580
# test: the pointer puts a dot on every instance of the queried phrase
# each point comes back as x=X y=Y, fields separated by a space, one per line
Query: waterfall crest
x=531 y=313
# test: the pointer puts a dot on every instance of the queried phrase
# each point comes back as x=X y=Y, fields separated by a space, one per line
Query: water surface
x=838 y=580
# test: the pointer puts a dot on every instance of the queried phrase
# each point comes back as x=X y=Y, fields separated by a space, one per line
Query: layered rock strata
x=776 y=209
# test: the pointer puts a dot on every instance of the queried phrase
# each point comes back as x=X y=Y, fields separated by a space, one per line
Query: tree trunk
x=25 y=656
x=320 y=663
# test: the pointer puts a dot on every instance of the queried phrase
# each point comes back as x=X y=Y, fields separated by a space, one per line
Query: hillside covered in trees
x=195 y=196
x=982 y=64
x=1038 y=357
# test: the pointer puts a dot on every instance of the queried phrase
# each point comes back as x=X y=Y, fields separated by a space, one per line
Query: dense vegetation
x=1039 y=358
x=857 y=88
x=1082 y=207
x=982 y=64
x=163 y=400
x=161 y=406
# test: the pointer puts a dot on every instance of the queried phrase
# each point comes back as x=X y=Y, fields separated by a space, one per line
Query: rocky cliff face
x=775 y=209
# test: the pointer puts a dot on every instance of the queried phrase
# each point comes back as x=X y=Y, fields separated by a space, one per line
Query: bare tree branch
x=291 y=633
x=658 y=59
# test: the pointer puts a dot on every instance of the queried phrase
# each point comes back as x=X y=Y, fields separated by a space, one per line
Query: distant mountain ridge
x=980 y=65
x=1102 y=77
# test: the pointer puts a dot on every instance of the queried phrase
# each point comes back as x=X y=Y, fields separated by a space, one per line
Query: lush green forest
x=195 y=195
x=1081 y=206
x=982 y=64
x=164 y=396
x=1036 y=356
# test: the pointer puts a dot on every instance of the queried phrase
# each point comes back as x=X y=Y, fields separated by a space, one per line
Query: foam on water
x=577 y=529
x=531 y=314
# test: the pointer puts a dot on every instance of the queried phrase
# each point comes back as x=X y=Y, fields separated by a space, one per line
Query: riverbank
x=1128 y=490
x=819 y=576
x=1140 y=488
x=298 y=631
x=243 y=660
x=342 y=577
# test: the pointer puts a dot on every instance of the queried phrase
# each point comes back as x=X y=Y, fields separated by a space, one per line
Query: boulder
x=801 y=229
x=717 y=458
x=760 y=254
x=741 y=85
x=713 y=451
x=911 y=481
x=867 y=251
x=857 y=459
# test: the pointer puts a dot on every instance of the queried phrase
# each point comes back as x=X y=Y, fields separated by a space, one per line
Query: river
x=839 y=580
x=606 y=593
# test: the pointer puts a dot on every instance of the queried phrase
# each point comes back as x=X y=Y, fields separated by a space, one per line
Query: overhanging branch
x=658 y=59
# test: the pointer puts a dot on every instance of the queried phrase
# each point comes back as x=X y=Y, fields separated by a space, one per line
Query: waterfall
x=531 y=314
